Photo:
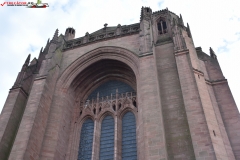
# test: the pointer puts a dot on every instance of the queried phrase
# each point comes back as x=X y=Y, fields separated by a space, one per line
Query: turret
x=145 y=38
x=146 y=13
x=70 y=33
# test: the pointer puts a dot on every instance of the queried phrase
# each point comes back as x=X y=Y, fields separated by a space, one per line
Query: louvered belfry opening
x=107 y=91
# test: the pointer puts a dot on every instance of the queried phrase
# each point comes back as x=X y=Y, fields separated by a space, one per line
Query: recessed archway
x=86 y=74
x=100 y=72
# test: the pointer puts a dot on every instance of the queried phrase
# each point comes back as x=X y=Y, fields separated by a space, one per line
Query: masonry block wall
x=181 y=101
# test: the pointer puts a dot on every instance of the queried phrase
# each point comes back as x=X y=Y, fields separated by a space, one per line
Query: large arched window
x=129 y=145
x=113 y=97
x=86 y=140
x=162 y=26
x=107 y=139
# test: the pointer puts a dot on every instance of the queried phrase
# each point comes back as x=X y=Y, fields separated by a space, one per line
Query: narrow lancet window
x=129 y=145
x=86 y=140
x=107 y=139
x=162 y=26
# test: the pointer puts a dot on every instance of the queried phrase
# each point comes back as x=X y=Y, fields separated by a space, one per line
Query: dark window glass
x=159 y=27
x=129 y=146
x=162 y=27
x=107 y=139
x=86 y=140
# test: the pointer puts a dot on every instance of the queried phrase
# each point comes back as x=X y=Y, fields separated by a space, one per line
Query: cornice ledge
x=181 y=52
x=40 y=78
x=216 y=82
x=145 y=54
x=196 y=71
x=20 y=89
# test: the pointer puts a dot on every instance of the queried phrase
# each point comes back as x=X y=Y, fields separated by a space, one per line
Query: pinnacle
x=211 y=50
x=55 y=37
x=28 y=59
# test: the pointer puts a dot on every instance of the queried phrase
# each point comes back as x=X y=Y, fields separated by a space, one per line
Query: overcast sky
x=213 y=23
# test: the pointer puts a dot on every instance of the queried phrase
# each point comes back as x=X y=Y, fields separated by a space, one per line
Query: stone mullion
x=96 y=138
x=116 y=101
x=162 y=27
x=116 y=156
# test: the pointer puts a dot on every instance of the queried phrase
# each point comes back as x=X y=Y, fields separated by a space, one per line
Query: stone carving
x=114 y=102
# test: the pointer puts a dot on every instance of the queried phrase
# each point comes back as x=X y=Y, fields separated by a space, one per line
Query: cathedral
x=141 y=91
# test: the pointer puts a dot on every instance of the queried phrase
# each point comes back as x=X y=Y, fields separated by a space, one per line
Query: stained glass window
x=107 y=139
x=86 y=140
x=129 y=146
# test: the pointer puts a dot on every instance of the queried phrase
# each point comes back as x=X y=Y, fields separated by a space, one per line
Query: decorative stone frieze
x=114 y=103
x=103 y=34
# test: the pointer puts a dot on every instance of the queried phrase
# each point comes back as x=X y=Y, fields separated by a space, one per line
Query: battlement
x=160 y=11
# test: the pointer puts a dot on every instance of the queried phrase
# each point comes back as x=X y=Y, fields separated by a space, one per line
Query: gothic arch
x=80 y=121
x=83 y=76
x=104 y=114
x=111 y=53
x=100 y=72
x=128 y=109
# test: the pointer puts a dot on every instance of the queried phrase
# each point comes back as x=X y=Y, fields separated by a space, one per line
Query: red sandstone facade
x=183 y=106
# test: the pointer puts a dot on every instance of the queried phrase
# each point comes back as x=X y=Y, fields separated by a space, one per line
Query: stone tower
x=140 y=91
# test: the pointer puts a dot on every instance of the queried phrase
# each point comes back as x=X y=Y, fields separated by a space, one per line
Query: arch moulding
x=101 y=53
